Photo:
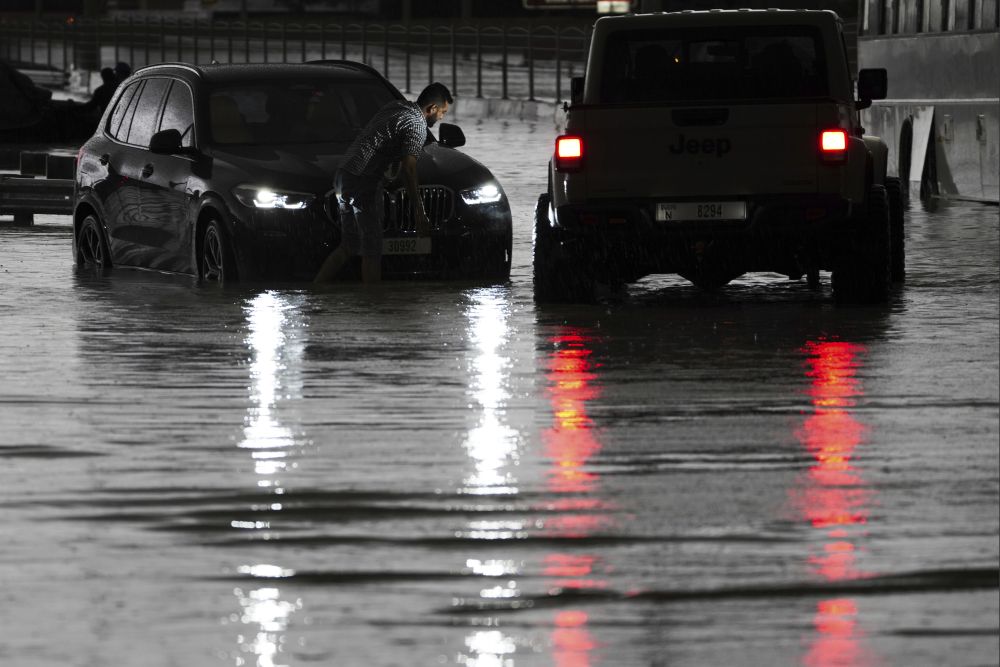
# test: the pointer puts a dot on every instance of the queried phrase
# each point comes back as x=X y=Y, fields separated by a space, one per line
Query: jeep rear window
x=293 y=111
x=751 y=63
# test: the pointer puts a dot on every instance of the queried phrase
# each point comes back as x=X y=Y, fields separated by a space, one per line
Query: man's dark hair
x=436 y=93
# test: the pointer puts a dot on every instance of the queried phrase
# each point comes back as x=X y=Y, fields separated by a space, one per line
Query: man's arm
x=410 y=180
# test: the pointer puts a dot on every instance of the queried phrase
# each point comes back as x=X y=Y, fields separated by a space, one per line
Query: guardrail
x=533 y=62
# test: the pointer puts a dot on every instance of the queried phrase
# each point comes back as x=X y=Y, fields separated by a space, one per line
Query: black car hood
x=310 y=168
x=305 y=168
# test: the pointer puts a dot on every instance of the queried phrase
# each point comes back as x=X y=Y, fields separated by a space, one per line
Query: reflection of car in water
x=222 y=172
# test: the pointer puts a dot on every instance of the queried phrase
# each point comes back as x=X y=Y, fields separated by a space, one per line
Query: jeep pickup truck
x=715 y=143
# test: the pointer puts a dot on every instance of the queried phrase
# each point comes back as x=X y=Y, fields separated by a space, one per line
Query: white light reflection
x=267 y=318
x=275 y=360
x=492 y=444
x=264 y=608
x=488 y=648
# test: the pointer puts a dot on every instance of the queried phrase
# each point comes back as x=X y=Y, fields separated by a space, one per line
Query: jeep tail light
x=569 y=152
x=833 y=145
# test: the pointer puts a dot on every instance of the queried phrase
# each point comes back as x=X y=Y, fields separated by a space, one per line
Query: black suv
x=224 y=172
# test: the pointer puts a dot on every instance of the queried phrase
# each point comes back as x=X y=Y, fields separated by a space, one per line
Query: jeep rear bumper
x=781 y=233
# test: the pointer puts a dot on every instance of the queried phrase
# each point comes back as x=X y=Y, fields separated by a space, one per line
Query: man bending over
x=396 y=133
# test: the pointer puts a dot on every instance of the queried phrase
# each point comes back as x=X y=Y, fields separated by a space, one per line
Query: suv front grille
x=439 y=204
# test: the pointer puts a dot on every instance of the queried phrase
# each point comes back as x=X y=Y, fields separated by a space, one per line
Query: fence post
x=454 y=63
x=114 y=39
x=211 y=40
x=284 y=40
x=229 y=42
x=504 y=64
x=531 y=63
x=479 y=61
x=385 y=50
x=48 y=46
x=409 y=37
x=65 y=46
x=180 y=46
x=558 y=68
x=305 y=33
x=430 y=54
x=265 y=29
x=364 y=42
x=194 y=34
x=31 y=40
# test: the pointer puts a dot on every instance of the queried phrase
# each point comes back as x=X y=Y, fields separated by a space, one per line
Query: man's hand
x=423 y=225
x=420 y=218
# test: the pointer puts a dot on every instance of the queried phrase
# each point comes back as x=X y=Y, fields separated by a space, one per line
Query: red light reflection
x=570 y=443
x=833 y=497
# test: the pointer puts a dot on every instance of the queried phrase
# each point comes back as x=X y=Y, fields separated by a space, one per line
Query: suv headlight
x=254 y=196
x=487 y=193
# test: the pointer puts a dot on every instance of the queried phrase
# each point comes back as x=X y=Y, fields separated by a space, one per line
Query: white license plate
x=702 y=210
x=407 y=246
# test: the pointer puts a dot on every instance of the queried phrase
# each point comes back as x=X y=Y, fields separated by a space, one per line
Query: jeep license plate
x=407 y=246
x=688 y=211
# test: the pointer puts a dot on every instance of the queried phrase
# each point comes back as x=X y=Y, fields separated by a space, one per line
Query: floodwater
x=447 y=474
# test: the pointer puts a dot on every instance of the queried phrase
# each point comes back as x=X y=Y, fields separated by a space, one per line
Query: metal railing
x=532 y=62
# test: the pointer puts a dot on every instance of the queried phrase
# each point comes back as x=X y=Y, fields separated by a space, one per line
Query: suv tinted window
x=734 y=64
x=147 y=112
x=294 y=111
x=122 y=111
x=178 y=114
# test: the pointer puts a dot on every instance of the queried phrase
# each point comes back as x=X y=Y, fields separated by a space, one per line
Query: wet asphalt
x=445 y=473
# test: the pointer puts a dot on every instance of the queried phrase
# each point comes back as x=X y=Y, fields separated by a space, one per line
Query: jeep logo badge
x=718 y=147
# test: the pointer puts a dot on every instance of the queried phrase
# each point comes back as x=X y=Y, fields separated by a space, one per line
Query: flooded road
x=446 y=474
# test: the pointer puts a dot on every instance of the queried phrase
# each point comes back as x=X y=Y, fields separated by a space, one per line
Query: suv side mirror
x=451 y=135
x=873 y=84
x=166 y=142
x=576 y=89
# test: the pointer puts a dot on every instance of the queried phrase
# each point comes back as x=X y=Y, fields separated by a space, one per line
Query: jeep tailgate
x=696 y=151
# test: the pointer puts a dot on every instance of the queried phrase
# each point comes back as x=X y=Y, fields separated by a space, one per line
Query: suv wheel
x=894 y=190
x=558 y=277
x=863 y=273
x=91 y=246
x=216 y=263
x=496 y=258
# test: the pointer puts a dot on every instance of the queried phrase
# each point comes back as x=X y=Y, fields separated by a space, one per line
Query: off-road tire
x=894 y=191
x=558 y=278
x=863 y=272
x=92 y=250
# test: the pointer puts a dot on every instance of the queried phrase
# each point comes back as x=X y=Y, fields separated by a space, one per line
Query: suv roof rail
x=191 y=68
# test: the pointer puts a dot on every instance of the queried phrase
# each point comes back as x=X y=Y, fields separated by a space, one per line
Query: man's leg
x=332 y=265
x=349 y=244
x=370 y=223
x=371 y=268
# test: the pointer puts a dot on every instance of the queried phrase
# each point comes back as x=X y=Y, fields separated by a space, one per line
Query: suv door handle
x=147 y=171
x=104 y=160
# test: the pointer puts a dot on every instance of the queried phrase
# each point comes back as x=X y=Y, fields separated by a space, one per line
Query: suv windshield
x=293 y=111
x=718 y=64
